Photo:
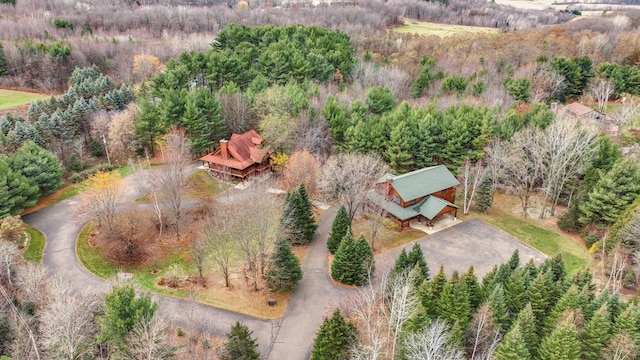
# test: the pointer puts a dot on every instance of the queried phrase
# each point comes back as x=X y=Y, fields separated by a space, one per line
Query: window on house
x=396 y=200
x=443 y=192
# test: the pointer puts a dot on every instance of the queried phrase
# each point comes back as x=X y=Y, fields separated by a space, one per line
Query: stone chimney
x=387 y=187
x=224 y=152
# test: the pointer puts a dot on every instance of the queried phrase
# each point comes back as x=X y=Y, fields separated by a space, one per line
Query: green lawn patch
x=200 y=185
x=94 y=261
x=33 y=251
x=11 y=98
x=549 y=240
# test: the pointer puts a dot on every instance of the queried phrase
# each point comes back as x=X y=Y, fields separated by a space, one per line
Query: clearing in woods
x=11 y=98
x=442 y=30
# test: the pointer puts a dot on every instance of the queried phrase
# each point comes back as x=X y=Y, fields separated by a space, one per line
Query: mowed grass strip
x=11 y=98
x=33 y=251
x=442 y=30
x=546 y=238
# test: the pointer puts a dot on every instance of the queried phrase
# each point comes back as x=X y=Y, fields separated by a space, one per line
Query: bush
x=63 y=24
x=629 y=279
x=96 y=148
x=75 y=164
x=590 y=239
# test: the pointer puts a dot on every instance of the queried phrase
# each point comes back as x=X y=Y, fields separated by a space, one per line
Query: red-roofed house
x=242 y=155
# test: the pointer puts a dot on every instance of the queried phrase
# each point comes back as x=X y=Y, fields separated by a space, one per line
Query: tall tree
x=399 y=148
x=240 y=344
x=39 y=166
x=353 y=263
x=596 y=334
x=562 y=343
x=341 y=224
x=149 y=125
x=298 y=223
x=102 y=199
x=335 y=338
x=513 y=346
x=16 y=192
x=283 y=271
x=202 y=120
x=122 y=309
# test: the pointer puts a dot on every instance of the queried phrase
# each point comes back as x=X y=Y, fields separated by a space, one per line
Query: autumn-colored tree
x=302 y=167
x=122 y=133
x=102 y=200
x=144 y=66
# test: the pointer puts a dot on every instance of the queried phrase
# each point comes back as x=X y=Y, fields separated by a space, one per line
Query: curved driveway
x=290 y=337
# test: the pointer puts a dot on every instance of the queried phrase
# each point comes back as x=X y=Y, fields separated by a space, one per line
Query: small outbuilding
x=241 y=156
x=421 y=195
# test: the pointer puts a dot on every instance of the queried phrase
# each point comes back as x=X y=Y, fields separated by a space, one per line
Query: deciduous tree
x=102 y=200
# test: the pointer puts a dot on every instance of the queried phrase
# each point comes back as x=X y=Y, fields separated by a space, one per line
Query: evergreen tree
x=514 y=261
x=437 y=284
x=149 y=125
x=628 y=321
x=39 y=166
x=3 y=62
x=240 y=345
x=336 y=117
x=341 y=224
x=16 y=191
x=568 y=301
x=122 y=310
x=484 y=195
x=513 y=346
x=415 y=257
x=527 y=322
x=596 y=334
x=380 y=99
x=541 y=297
x=489 y=281
x=334 y=338
x=562 y=343
x=470 y=282
x=454 y=308
x=402 y=263
x=298 y=222
x=499 y=307
x=353 y=261
x=399 y=148
x=202 y=120
x=284 y=271
x=612 y=193
x=515 y=293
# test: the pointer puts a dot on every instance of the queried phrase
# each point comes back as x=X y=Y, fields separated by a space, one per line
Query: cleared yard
x=11 y=98
x=442 y=30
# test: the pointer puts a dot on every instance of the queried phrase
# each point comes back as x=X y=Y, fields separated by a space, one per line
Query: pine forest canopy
x=249 y=55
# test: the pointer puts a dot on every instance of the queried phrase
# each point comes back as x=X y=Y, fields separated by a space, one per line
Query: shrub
x=590 y=239
x=629 y=279
x=96 y=148
x=63 y=24
x=75 y=164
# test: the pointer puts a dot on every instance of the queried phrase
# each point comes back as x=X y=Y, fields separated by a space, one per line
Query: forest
x=337 y=84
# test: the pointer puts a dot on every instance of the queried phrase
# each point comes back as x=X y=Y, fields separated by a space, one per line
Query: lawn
x=543 y=235
x=441 y=30
x=33 y=252
x=11 y=98
x=200 y=185
x=388 y=236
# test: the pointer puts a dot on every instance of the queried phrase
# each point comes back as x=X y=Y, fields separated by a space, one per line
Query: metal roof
x=429 y=207
x=423 y=182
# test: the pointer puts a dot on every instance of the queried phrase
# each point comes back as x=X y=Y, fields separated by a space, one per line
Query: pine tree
x=415 y=257
x=240 y=344
x=3 y=62
x=399 y=148
x=562 y=343
x=484 y=197
x=515 y=294
x=334 y=338
x=39 y=166
x=527 y=322
x=347 y=267
x=149 y=125
x=438 y=282
x=16 y=192
x=454 y=308
x=498 y=306
x=470 y=282
x=298 y=222
x=540 y=294
x=596 y=334
x=513 y=346
x=568 y=301
x=402 y=263
x=365 y=260
x=284 y=271
x=514 y=261
x=612 y=193
x=341 y=224
x=202 y=120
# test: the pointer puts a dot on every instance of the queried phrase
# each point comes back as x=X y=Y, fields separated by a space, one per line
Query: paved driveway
x=473 y=242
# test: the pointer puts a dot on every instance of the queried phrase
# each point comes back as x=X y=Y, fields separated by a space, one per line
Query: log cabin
x=241 y=156
x=421 y=195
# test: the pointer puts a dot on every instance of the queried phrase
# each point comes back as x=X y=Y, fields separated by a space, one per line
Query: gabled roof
x=244 y=150
x=423 y=182
x=429 y=207
x=578 y=109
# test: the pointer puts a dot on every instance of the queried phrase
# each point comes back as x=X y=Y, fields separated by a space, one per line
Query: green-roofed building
x=421 y=195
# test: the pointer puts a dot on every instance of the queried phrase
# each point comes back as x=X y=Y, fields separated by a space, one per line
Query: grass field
x=11 y=98
x=442 y=30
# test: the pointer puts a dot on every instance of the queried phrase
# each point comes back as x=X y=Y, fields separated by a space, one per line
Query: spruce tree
x=470 y=282
x=628 y=321
x=454 y=308
x=596 y=334
x=499 y=307
x=415 y=257
x=514 y=261
x=527 y=322
x=562 y=343
x=402 y=263
x=240 y=344
x=438 y=282
x=3 y=62
x=353 y=261
x=334 y=339
x=341 y=224
x=298 y=223
x=513 y=346
x=284 y=271
x=612 y=193
x=568 y=301
x=540 y=295
x=515 y=294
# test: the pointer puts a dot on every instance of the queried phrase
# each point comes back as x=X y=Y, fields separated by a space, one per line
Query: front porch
x=431 y=227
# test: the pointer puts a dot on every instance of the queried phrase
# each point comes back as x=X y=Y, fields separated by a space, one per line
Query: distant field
x=442 y=30
x=11 y=98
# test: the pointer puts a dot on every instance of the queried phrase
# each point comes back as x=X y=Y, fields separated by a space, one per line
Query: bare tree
x=8 y=256
x=148 y=340
x=372 y=317
x=545 y=83
x=347 y=177
x=236 y=112
x=402 y=300
x=496 y=152
x=121 y=134
x=470 y=177
x=483 y=336
x=172 y=176
x=102 y=200
x=220 y=241
x=601 y=88
x=618 y=265
x=199 y=253
x=302 y=167
x=433 y=343
x=68 y=324
x=375 y=221
x=622 y=346
x=624 y=114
